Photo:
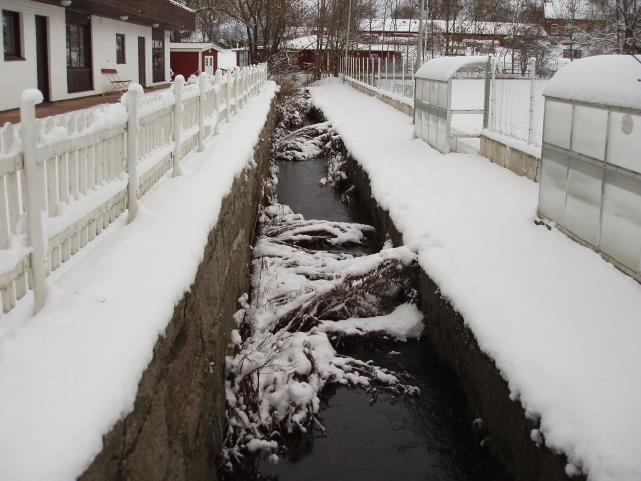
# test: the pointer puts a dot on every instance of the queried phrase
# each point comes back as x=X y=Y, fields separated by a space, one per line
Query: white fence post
x=133 y=94
x=218 y=85
x=179 y=81
x=35 y=202
x=202 y=81
x=227 y=95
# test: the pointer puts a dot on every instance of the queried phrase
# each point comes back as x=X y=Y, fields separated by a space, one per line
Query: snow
x=32 y=96
x=68 y=374
x=443 y=68
x=385 y=93
x=561 y=324
x=405 y=322
x=602 y=79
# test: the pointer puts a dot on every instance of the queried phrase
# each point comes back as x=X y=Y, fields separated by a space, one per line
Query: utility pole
x=419 y=44
x=349 y=21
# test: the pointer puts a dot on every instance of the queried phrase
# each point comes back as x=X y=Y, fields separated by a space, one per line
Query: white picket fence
x=64 y=179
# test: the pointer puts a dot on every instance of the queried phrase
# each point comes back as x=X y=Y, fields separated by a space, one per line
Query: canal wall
x=506 y=429
x=175 y=430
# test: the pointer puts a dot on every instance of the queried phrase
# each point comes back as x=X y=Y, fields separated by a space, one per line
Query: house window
x=11 y=35
x=158 y=55
x=120 y=48
x=554 y=29
x=77 y=46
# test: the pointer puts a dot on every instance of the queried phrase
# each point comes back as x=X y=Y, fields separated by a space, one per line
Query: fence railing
x=64 y=179
x=516 y=108
x=388 y=73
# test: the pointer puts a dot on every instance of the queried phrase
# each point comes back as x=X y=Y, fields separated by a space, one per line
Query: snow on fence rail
x=388 y=73
x=65 y=178
x=516 y=108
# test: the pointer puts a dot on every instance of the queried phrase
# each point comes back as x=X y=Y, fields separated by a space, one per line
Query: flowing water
x=428 y=437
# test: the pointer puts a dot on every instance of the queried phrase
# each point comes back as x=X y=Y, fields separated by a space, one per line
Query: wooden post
x=133 y=95
x=35 y=203
x=228 y=79
x=218 y=85
x=179 y=81
x=202 y=83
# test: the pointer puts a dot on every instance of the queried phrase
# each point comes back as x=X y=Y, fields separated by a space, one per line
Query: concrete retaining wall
x=517 y=161
x=176 y=428
x=505 y=425
x=382 y=96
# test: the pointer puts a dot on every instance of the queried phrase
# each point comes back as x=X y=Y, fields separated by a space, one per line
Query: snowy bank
x=70 y=373
x=562 y=325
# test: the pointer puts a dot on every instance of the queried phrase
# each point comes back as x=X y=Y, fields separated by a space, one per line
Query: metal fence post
x=403 y=75
x=393 y=71
x=386 y=75
x=133 y=94
x=35 y=202
x=486 y=93
x=530 y=120
x=179 y=81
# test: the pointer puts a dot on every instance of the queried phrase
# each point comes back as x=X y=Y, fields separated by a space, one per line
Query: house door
x=209 y=64
x=142 y=72
x=79 y=58
x=42 y=56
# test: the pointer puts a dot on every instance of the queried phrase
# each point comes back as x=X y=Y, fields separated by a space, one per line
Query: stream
x=427 y=437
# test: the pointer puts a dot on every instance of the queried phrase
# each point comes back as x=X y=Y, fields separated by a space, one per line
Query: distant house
x=75 y=48
x=567 y=18
x=242 y=56
x=191 y=58
x=302 y=52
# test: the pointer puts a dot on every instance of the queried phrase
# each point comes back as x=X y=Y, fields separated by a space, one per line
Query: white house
x=75 y=48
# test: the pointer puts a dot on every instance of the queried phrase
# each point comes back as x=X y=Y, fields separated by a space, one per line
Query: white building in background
x=75 y=48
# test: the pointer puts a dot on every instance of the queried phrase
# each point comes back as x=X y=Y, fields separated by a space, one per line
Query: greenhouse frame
x=591 y=157
x=433 y=108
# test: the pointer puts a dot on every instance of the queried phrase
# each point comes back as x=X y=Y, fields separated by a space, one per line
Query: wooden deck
x=64 y=106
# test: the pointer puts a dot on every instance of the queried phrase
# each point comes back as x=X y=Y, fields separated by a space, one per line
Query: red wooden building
x=191 y=58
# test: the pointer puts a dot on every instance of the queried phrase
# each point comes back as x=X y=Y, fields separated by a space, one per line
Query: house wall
x=18 y=75
x=185 y=63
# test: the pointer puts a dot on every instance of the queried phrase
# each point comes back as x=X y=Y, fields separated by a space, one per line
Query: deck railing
x=65 y=178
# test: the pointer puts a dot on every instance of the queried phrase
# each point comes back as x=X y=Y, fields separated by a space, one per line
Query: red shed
x=189 y=58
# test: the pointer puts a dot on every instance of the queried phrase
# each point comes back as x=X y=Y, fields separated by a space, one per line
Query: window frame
x=121 y=55
x=554 y=29
x=17 y=36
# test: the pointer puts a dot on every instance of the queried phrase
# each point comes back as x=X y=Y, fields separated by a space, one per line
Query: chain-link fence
x=516 y=108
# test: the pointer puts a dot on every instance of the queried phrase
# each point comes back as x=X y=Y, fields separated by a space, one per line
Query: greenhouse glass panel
x=590 y=126
x=621 y=222
x=443 y=142
x=583 y=207
x=434 y=93
x=433 y=128
x=424 y=126
x=624 y=141
x=426 y=91
x=442 y=95
x=417 y=123
x=558 y=123
x=554 y=179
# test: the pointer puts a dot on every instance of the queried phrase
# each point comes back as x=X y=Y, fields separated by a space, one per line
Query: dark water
x=428 y=437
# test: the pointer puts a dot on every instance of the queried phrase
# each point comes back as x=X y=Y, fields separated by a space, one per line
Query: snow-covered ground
x=70 y=373
x=562 y=324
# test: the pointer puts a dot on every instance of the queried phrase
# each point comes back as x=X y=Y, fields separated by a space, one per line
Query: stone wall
x=175 y=430
x=506 y=428
x=513 y=159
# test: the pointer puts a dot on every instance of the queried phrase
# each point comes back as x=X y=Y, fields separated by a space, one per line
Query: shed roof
x=602 y=79
x=443 y=68
x=194 y=46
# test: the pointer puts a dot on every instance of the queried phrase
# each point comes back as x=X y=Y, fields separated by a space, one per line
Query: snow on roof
x=569 y=10
x=460 y=26
x=443 y=68
x=308 y=42
x=184 y=7
x=195 y=46
x=602 y=79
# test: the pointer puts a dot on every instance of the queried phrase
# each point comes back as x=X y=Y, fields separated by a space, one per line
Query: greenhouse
x=450 y=100
x=591 y=156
